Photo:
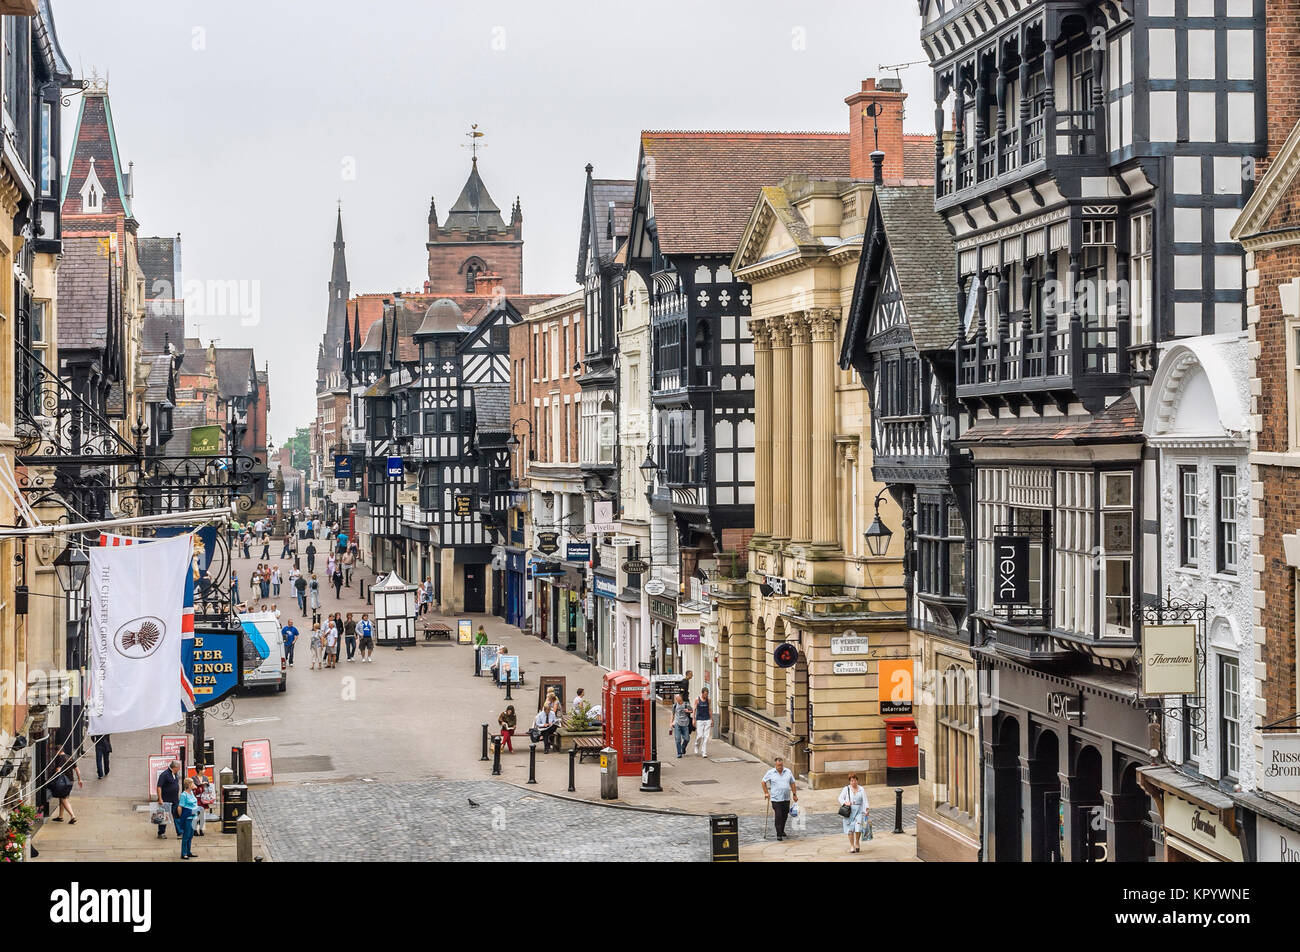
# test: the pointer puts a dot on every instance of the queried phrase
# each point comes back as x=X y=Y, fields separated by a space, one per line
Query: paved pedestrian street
x=379 y=761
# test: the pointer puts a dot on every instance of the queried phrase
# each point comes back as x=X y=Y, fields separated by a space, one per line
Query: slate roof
x=158 y=384
x=704 y=183
x=158 y=263
x=83 y=294
x=474 y=209
x=926 y=262
x=1120 y=421
x=160 y=331
x=598 y=196
x=234 y=371
x=374 y=333
x=195 y=360
x=492 y=408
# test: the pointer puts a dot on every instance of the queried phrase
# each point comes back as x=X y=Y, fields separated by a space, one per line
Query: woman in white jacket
x=854 y=796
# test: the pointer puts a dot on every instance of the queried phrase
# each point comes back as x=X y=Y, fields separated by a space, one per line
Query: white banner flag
x=137 y=603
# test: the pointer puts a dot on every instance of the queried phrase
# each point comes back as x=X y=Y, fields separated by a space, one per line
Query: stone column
x=779 y=465
x=824 y=523
x=762 y=428
x=801 y=424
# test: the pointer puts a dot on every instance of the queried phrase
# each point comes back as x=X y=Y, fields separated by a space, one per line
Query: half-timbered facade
x=1096 y=166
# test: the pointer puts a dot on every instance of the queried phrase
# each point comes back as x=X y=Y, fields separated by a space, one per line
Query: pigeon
x=472 y=802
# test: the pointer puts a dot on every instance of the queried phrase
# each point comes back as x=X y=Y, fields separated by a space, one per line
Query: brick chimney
x=889 y=96
x=486 y=282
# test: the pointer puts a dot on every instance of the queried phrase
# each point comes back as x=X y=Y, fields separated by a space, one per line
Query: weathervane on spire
x=474 y=135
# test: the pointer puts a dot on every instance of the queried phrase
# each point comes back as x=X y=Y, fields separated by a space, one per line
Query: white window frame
x=1123 y=559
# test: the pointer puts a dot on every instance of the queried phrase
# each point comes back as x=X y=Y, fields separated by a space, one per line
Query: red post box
x=901 y=749
x=625 y=697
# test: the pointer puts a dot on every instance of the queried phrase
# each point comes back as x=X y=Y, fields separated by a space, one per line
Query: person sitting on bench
x=544 y=727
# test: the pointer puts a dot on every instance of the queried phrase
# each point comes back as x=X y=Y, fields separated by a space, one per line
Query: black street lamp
x=71 y=568
x=878 y=534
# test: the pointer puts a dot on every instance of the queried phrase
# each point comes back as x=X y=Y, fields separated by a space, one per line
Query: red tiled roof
x=1119 y=422
x=704 y=184
x=918 y=157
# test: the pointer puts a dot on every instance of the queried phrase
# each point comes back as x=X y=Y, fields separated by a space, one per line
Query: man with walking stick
x=778 y=789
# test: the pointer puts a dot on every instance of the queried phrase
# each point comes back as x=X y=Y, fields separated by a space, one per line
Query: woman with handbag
x=62 y=769
x=506 y=723
x=854 y=813
x=203 y=794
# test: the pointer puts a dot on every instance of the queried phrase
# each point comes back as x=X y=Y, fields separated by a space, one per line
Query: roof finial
x=474 y=135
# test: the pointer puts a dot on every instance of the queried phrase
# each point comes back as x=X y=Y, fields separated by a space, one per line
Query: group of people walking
x=355 y=635
x=694 y=718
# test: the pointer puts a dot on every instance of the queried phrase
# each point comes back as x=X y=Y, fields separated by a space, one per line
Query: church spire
x=339 y=271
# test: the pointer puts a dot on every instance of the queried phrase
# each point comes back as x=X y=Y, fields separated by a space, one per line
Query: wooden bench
x=588 y=747
x=437 y=630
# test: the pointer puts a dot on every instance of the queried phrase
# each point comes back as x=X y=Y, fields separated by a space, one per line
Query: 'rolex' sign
x=205 y=441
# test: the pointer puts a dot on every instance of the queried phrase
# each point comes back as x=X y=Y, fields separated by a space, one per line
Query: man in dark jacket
x=311 y=556
x=103 y=747
x=169 y=793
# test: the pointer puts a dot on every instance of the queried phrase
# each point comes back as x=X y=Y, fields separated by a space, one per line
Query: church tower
x=329 y=365
x=475 y=239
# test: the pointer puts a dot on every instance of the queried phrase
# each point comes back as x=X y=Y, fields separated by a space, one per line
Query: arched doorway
x=1131 y=814
x=780 y=680
x=1008 y=812
x=758 y=666
x=1045 y=798
x=1088 y=833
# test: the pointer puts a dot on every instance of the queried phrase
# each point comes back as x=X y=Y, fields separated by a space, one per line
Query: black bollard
x=573 y=758
x=532 y=763
x=508 y=697
x=485 y=743
x=496 y=756
x=898 y=809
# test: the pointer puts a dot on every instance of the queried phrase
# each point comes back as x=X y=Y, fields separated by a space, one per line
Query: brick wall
x=1282 y=58
x=447 y=264
x=521 y=394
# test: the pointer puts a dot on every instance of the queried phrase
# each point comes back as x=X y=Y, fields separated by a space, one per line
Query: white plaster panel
x=1201 y=114
x=1187 y=272
x=1187 y=175
x=1241 y=117
x=1228 y=272
x=1241 y=54
x=1164 y=117
x=1187 y=225
x=1187 y=319
x=1224 y=219
x=1162 y=59
x=1200 y=54
x=1227 y=174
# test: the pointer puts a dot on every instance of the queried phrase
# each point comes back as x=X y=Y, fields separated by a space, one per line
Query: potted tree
x=578 y=723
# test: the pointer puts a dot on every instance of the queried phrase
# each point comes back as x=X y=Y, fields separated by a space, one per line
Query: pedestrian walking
x=316 y=645
x=331 y=644
x=62 y=771
x=300 y=587
x=266 y=544
x=703 y=722
x=330 y=565
x=284 y=551
x=186 y=809
x=681 y=724
x=426 y=596
x=247 y=541
x=290 y=636
x=168 y=786
x=275 y=581
x=480 y=636
x=350 y=636
x=313 y=591
x=103 y=747
x=778 y=789
x=349 y=561
x=506 y=722
x=853 y=811
x=266 y=581
x=337 y=579
x=367 y=632
x=310 y=552
x=234 y=586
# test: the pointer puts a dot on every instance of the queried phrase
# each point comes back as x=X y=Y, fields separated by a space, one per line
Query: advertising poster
x=510 y=668
x=465 y=631
x=157 y=764
x=173 y=745
x=487 y=656
x=257 y=760
x=895 y=685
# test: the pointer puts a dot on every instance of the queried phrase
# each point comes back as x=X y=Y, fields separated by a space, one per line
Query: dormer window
x=92 y=191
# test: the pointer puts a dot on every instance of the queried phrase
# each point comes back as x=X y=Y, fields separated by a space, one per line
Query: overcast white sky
x=242 y=118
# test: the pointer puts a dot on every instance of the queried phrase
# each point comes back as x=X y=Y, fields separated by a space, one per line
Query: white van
x=265 y=663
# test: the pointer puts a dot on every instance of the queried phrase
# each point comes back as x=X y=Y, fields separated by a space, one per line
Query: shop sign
x=395 y=467
x=1200 y=827
x=636 y=567
x=688 y=636
x=625 y=542
x=895 y=685
x=776 y=583
x=548 y=542
x=154 y=766
x=213 y=662
x=849 y=644
x=1010 y=570
x=257 y=760
x=1279 y=765
x=463 y=505
x=654 y=587
x=602 y=512
x=345 y=497
x=605 y=587
x=577 y=551
x=1168 y=659
x=1274 y=843
x=665 y=686
x=849 y=667
x=342 y=467
x=663 y=610
x=408 y=497
x=173 y=745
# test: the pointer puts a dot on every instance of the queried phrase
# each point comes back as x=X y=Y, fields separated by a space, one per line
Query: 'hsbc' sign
x=1010 y=570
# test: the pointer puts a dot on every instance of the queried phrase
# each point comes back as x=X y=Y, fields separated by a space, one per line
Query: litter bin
x=725 y=838
x=234 y=804
x=901 y=754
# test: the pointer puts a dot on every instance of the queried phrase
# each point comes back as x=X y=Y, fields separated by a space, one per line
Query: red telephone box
x=625 y=696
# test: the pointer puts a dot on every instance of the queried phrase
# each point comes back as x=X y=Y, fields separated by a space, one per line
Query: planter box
x=561 y=734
